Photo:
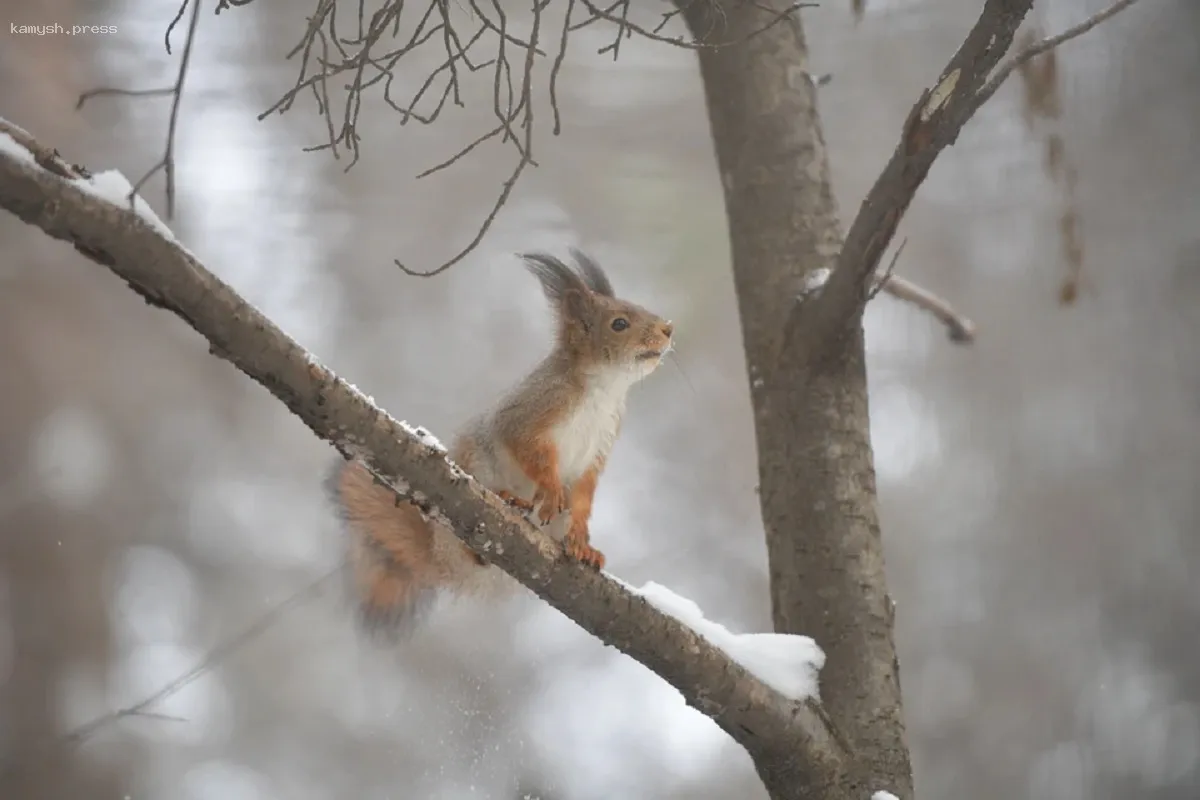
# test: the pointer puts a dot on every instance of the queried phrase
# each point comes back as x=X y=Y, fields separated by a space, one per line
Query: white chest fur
x=590 y=429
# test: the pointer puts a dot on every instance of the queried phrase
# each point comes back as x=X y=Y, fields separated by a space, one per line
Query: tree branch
x=167 y=162
x=960 y=328
x=784 y=738
x=1036 y=49
x=932 y=125
x=970 y=78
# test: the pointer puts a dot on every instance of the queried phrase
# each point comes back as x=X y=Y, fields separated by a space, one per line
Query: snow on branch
x=166 y=163
x=96 y=217
x=787 y=663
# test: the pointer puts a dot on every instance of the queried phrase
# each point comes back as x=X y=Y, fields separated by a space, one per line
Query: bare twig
x=113 y=92
x=625 y=28
x=960 y=328
x=1004 y=71
x=1035 y=61
x=175 y=21
x=524 y=143
x=167 y=162
x=882 y=280
x=774 y=730
x=932 y=125
x=214 y=658
x=361 y=64
x=557 y=68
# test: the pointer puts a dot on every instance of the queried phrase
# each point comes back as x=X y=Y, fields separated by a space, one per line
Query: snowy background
x=1038 y=491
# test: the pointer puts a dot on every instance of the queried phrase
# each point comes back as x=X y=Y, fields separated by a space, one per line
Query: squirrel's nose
x=667 y=328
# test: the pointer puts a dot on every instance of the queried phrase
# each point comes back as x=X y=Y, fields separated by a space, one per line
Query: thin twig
x=557 y=68
x=525 y=148
x=215 y=657
x=625 y=27
x=882 y=280
x=1005 y=70
x=960 y=328
x=933 y=124
x=361 y=66
x=175 y=21
x=110 y=92
x=167 y=162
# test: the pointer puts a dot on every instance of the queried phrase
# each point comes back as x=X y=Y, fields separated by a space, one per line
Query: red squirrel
x=542 y=448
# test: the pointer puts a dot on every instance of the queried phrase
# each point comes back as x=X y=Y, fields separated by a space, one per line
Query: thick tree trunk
x=816 y=473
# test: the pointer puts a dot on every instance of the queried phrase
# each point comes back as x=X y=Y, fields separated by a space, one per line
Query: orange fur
x=391 y=557
x=538 y=458
x=514 y=501
x=549 y=436
x=577 y=543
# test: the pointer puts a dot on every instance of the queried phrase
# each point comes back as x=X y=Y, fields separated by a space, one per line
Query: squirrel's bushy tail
x=393 y=569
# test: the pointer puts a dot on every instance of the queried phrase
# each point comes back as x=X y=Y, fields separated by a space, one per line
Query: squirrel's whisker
x=675 y=360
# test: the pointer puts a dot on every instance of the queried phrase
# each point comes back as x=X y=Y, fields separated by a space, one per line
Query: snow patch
x=816 y=279
x=423 y=436
x=787 y=663
x=884 y=796
x=10 y=147
x=110 y=186
x=113 y=187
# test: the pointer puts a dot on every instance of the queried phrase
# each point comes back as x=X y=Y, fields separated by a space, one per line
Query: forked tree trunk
x=816 y=470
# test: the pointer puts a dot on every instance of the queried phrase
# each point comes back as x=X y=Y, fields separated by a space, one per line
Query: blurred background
x=1038 y=490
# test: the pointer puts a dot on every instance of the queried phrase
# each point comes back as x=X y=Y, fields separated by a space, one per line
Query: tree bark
x=816 y=474
x=804 y=342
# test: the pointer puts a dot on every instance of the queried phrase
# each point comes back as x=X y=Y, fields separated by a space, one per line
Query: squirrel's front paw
x=552 y=501
x=577 y=547
x=514 y=501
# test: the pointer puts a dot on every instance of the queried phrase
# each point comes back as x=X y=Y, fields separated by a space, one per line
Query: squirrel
x=542 y=448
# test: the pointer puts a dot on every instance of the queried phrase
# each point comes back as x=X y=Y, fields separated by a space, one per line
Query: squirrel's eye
x=619 y=324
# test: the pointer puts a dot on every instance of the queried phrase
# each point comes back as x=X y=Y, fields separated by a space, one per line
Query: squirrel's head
x=593 y=324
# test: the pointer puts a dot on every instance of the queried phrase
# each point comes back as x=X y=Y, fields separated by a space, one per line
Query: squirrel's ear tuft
x=576 y=306
x=593 y=275
x=557 y=279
